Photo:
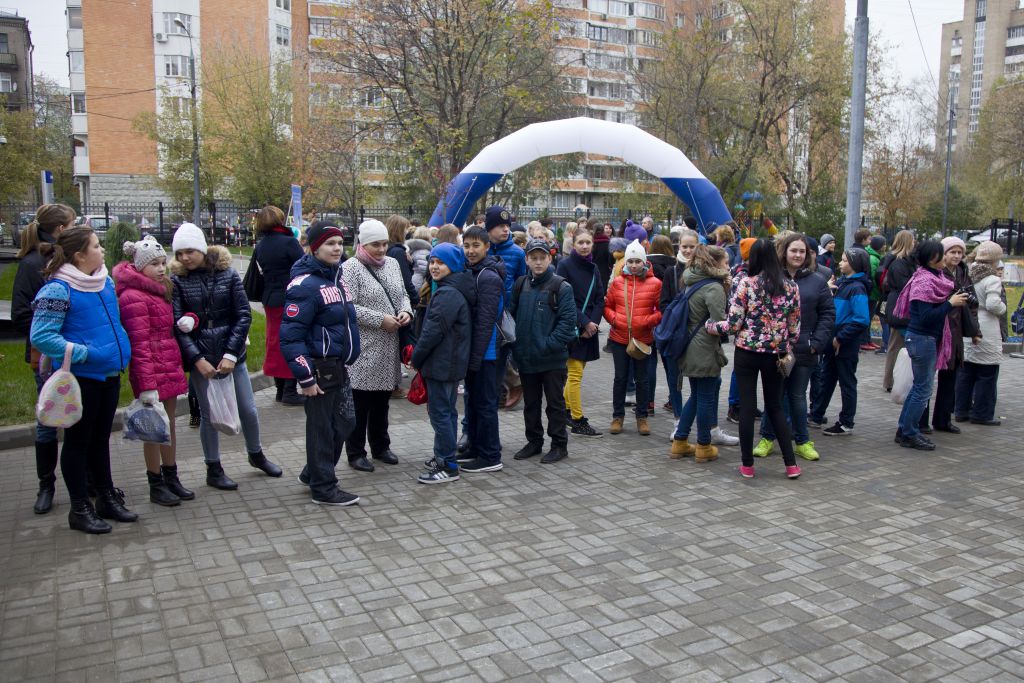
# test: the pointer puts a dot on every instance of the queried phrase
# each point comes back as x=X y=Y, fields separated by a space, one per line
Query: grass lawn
x=7 y=280
x=18 y=387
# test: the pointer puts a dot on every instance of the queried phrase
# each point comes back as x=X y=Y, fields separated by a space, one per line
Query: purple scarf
x=364 y=257
x=933 y=288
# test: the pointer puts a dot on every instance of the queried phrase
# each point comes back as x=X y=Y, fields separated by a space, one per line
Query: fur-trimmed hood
x=417 y=245
x=979 y=271
x=217 y=258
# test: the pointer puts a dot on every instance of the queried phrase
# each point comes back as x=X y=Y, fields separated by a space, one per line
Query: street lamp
x=195 y=129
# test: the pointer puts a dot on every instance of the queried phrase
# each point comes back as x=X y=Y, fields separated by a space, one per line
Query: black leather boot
x=279 y=383
x=46 y=465
x=82 y=517
x=291 y=395
x=216 y=478
x=170 y=473
x=110 y=505
x=158 y=491
x=260 y=462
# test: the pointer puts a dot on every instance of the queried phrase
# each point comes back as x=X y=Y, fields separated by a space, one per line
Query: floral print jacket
x=762 y=324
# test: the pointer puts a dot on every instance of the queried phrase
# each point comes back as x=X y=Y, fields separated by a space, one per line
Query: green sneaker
x=806 y=450
x=764 y=448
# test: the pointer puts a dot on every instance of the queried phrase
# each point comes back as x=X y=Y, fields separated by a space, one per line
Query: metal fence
x=1007 y=232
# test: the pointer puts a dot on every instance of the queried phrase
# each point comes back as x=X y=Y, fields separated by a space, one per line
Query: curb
x=19 y=436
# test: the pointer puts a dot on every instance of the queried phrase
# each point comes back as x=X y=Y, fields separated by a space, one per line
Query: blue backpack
x=672 y=334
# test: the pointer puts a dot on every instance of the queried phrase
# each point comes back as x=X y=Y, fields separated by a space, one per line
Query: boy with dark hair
x=545 y=313
x=498 y=223
x=483 y=452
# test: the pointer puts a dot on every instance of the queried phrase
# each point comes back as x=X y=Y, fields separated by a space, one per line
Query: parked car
x=20 y=223
x=100 y=223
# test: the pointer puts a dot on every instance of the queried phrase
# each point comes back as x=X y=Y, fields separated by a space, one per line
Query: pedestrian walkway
x=878 y=564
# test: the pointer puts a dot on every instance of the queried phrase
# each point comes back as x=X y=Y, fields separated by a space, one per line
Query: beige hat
x=988 y=252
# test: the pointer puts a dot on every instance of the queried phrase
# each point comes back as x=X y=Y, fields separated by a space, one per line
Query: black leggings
x=748 y=366
x=86 y=450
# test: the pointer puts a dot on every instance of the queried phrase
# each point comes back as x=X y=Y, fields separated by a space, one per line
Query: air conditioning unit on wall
x=160 y=37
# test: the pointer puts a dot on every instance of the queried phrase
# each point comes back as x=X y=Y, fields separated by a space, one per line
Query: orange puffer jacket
x=643 y=293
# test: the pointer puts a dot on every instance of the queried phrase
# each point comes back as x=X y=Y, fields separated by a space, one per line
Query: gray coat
x=990 y=309
x=704 y=356
x=378 y=367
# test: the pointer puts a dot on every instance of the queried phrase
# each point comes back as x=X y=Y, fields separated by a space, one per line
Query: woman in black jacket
x=213 y=319
x=817 y=321
x=398 y=227
x=274 y=256
x=961 y=324
x=37 y=242
x=896 y=277
x=602 y=256
x=588 y=290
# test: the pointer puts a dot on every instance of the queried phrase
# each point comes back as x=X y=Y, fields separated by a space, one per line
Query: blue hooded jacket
x=489 y=275
x=515 y=263
x=852 y=312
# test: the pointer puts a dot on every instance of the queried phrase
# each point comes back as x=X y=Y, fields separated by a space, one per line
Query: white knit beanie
x=188 y=236
x=144 y=252
x=636 y=250
x=372 y=231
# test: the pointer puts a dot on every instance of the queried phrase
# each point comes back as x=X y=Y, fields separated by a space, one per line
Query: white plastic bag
x=223 y=405
x=902 y=377
x=60 y=398
x=147 y=423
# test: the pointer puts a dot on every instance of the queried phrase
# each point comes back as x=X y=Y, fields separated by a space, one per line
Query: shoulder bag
x=636 y=349
x=405 y=332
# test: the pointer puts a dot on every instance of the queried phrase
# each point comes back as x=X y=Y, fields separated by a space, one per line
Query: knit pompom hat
x=634 y=231
x=144 y=252
x=636 y=250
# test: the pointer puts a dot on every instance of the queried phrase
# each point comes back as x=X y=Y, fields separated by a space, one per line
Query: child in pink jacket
x=156 y=374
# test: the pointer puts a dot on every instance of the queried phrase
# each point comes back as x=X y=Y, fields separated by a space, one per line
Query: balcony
x=8 y=61
x=80 y=124
x=81 y=165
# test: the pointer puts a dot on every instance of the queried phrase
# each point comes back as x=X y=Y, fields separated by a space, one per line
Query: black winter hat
x=495 y=216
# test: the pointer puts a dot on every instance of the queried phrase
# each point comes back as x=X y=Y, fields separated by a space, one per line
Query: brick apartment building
x=15 y=60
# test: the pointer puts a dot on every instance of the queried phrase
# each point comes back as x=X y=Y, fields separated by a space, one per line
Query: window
x=562 y=200
x=179 y=106
x=620 y=9
x=979 y=10
x=649 y=10
x=286 y=5
x=6 y=83
x=575 y=85
x=598 y=6
x=369 y=97
x=78 y=103
x=374 y=162
x=680 y=20
x=74 y=17
x=171 y=27
x=640 y=37
x=597 y=32
x=284 y=35
x=320 y=26
x=176 y=66
x=1015 y=50
x=611 y=91
x=1015 y=32
x=3 y=43
x=77 y=59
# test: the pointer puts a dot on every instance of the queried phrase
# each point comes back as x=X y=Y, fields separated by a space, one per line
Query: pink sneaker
x=747 y=472
x=793 y=472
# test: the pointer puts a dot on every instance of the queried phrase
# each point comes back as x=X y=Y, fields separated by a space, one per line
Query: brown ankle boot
x=642 y=427
x=705 y=453
x=681 y=448
x=616 y=427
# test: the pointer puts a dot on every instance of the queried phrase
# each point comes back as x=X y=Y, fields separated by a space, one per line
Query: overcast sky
x=889 y=17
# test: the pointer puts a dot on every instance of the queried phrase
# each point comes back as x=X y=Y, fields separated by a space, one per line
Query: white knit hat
x=636 y=250
x=188 y=236
x=144 y=252
x=372 y=231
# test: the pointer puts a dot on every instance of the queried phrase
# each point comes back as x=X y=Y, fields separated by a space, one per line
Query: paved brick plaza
x=878 y=564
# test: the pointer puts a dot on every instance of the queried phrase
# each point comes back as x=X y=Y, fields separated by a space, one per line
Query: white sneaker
x=720 y=438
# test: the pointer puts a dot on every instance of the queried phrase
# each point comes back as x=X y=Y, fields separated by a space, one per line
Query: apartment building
x=15 y=60
x=985 y=46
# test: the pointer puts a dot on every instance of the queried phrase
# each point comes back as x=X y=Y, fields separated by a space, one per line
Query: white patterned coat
x=378 y=367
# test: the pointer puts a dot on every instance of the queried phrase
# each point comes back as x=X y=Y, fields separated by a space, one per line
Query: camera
x=972 y=296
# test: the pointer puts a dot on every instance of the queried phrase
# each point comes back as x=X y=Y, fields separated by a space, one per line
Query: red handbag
x=417 y=390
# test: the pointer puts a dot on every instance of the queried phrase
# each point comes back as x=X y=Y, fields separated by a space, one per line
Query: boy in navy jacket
x=853 y=315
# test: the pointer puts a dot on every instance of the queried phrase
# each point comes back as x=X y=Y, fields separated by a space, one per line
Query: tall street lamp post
x=195 y=127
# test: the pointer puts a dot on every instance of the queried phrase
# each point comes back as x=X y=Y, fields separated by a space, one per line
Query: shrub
x=113 y=242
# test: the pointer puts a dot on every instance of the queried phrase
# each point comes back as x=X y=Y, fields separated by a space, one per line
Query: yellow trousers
x=572 y=388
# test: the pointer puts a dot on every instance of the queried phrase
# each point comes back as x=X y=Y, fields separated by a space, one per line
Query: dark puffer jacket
x=401 y=254
x=489 y=275
x=214 y=294
x=319 y=320
x=442 y=349
x=897 y=276
x=817 y=316
x=27 y=282
x=276 y=253
x=580 y=273
x=543 y=332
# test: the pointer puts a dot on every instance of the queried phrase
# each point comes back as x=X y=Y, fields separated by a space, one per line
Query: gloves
x=187 y=322
x=150 y=398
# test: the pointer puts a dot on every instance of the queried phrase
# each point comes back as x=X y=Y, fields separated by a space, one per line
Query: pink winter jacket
x=146 y=316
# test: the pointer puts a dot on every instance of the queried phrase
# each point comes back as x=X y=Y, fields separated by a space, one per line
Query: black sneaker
x=478 y=465
x=816 y=424
x=838 y=429
x=527 y=451
x=581 y=427
x=465 y=458
x=303 y=478
x=463 y=444
x=733 y=415
x=438 y=473
x=630 y=399
x=338 y=498
x=917 y=442
x=193 y=421
x=758 y=413
x=554 y=455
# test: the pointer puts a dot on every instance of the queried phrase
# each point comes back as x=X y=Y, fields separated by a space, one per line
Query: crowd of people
x=473 y=312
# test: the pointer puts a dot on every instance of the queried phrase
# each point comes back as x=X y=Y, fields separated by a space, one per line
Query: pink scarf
x=80 y=281
x=364 y=257
x=933 y=288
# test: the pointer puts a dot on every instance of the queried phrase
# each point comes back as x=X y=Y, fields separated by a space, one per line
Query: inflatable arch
x=581 y=134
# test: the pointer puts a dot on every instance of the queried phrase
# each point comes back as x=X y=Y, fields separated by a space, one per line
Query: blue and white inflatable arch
x=581 y=134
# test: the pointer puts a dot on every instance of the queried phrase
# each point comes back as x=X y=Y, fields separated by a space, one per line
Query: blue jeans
x=624 y=362
x=702 y=405
x=815 y=383
x=885 y=334
x=976 y=391
x=841 y=370
x=208 y=436
x=734 y=391
x=921 y=348
x=675 y=395
x=44 y=434
x=442 y=408
x=794 y=405
x=481 y=418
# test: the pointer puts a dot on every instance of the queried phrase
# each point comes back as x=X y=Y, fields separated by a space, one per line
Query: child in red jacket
x=631 y=307
x=144 y=297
